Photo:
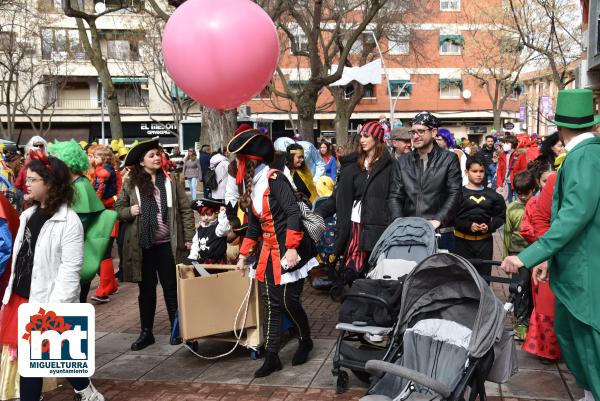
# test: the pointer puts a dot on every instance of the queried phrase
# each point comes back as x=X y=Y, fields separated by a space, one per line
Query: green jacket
x=513 y=240
x=572 y=244
x=181 y=227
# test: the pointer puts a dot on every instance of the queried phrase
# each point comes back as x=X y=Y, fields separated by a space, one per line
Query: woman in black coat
x=362 y=196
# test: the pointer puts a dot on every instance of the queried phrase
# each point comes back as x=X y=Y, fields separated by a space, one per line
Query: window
x=450 y=88
x=177 y=92
x=366 y=38
x=396 y=47
x=401 y=88
x=451 y=44
x=132 y=94
x=300 y=42
x=450 y=5
x=264 y=94
x=62 y=44
x=123 y=45
x=7 y=41
x=296 y=85
x=49 y=5
x=517 y=90
x=368 y=92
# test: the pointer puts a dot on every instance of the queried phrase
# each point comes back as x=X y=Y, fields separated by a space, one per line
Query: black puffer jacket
x=374 y=190
x=434 y=194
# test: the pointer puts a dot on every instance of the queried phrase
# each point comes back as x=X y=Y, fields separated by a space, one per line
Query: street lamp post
x=102 y=112
x=387 y=77
x=392 y=101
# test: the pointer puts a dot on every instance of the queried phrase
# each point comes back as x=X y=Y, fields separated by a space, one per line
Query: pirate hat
x=203 y=202
x=253 y=144
x=137 y=152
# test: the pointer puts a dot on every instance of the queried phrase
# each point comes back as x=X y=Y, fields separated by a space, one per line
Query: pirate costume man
x=275 y=233
x=209 y=245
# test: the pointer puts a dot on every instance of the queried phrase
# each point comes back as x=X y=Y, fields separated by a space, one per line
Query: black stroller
x=451 y=326
x=369 y=310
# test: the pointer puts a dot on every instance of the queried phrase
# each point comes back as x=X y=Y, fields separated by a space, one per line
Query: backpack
x=210 y=180
x=313 y=223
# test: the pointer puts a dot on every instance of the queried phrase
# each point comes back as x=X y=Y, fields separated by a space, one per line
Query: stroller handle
x=362 y=295
x=485 y=262
x=377 y=367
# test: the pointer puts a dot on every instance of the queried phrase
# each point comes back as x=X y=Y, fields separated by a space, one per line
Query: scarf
x=149 y=212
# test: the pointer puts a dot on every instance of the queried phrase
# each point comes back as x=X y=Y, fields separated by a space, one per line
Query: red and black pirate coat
x=275 y=225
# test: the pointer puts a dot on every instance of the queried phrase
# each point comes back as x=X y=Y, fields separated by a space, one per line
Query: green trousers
x=580 y=347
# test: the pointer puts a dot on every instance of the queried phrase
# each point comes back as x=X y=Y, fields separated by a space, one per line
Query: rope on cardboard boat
x=246 y=301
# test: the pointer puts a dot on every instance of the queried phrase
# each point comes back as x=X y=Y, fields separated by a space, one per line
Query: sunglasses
x=418 y=132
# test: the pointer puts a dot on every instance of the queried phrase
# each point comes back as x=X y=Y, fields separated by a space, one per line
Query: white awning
x=366 y=74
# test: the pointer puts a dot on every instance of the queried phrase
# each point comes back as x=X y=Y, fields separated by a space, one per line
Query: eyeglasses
x=419 y=132
x=31 y=180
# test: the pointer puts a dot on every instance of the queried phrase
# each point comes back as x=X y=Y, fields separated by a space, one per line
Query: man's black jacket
x=434 y=194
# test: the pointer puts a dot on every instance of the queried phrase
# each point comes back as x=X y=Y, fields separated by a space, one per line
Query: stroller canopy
x=447 y=286
x=405 y=232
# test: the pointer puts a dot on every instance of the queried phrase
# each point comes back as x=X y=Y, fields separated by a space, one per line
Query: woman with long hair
x=161 y=224
x=48 y=257
x=285 y=252
x=551 y=148
x=329 y=160
x=362 y=198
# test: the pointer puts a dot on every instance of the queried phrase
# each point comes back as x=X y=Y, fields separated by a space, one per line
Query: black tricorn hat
x=137 y=153
x=254 y=144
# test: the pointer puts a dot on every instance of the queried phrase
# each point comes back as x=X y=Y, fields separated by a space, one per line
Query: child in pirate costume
x=303 y=178
x=482 y=212
x=209 y=245
x=276 y=235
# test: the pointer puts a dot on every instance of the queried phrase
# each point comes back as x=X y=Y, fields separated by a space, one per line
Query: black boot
x=271 y=364
x=301 y=355
x=171 y=304
x=172 y=340
x=145 y=339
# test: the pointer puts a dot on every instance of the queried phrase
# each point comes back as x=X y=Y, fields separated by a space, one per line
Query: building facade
x=429 y=74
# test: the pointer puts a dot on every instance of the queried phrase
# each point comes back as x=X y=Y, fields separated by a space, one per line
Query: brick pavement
x=534 y=381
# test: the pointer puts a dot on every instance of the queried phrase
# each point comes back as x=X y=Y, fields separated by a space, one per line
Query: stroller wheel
x=336 y=292
x=362 y=376
x=342 y=382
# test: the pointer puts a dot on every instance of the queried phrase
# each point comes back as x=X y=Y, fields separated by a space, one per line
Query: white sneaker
x=89 y=394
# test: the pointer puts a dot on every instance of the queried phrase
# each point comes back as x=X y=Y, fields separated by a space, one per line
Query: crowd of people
x=64 y=204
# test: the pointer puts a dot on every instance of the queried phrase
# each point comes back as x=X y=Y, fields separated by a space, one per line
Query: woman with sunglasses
x=362 y=201
x=47 y=260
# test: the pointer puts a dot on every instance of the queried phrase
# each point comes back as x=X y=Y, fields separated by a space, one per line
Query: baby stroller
x=451 y=327
x=369 y=310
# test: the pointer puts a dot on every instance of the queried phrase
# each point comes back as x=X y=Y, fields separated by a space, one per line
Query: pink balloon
x=221 y=53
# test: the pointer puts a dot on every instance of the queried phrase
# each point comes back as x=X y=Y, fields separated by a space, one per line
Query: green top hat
x=575 y=109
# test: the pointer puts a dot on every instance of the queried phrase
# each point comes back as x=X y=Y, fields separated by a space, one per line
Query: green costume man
x=572 y=244
x=96 y=220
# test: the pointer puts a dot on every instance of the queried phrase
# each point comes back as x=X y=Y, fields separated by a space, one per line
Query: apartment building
x=69 y=86
x=433 y=76
x=436 y=80
x=538 y=100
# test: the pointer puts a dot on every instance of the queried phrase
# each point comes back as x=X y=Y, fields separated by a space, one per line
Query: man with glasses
x=427 y=181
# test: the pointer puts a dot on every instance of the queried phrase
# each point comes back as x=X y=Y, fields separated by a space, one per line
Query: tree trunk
x=497 y=120
x=342 y=124
x=307 y=107
x=217 y=127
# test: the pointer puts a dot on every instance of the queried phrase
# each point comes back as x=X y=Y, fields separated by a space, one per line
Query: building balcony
x=94 y=104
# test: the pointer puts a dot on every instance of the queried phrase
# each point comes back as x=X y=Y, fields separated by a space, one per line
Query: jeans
x=191 y=183
x=446 y=241
x=31 y=387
